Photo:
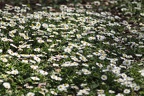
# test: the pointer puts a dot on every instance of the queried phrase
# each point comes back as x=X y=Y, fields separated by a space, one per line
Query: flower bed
x=86 y=50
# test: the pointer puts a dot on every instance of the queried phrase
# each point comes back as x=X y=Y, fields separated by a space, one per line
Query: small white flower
x=142 y=14
x=55 y=65
x=67 y=49
x=74 y=58
x=104 y=77
x=126 y=91
x=30 y=94
x=66 y=64
x=27 y=86
x=62 y=88
x=34 y=67
x=66 y=85
x=136 y=88
x=124 y=75
x=100 y=37
x=96 y=54
x=53 y=92
x=79 y=36
x=32 y=61
x=37 y=49
x=86 y=72
x=138 y=55
x=4 y=60
x=56 y=77
x=40 y=41
x=83 y=85
x=15 y=54
x=1 y=80
x=43 y=72
x=7 y=85
x=102 y=57
x=111 y=91
x=10 y=51
x=101 y=95
x=45 y=25
x=80 y=93
x=96 y=3
x=14 y=72
x=37 y=59
x=127 y=62
x=24 y=61
x=83 y=58
x=4 y=39
x=142 y=72
x=35 y=78
x=83 y=92
x=119 y=94
x=1 y=50
x=99 y=65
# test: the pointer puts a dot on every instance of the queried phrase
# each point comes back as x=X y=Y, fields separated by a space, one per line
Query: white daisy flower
x=104 y=77
x=7 y=85
x=62 y=88
x=14 y=72
x=126 y=91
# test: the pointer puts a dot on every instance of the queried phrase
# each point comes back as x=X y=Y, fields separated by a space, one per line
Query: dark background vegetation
x=105 y=5
x=32 y=3
x=56 y=3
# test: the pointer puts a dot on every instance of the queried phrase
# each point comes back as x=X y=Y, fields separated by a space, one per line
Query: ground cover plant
x=92 y=49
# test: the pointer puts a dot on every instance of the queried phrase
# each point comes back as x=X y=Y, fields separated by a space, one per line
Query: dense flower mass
x=86 y=50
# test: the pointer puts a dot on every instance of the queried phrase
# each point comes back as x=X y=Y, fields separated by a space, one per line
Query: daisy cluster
x=76 y=51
